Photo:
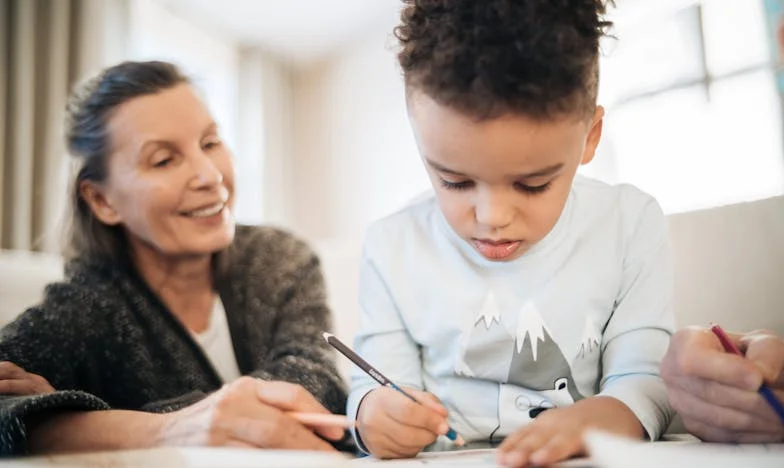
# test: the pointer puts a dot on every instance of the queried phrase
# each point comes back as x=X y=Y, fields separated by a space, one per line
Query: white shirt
x=217 y=345
x=586 y=311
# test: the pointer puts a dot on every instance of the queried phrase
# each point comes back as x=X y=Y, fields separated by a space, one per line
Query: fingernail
x=752 y=380
x=539 y=457
x=443 y=428
x=765 y=369
x=512 y=459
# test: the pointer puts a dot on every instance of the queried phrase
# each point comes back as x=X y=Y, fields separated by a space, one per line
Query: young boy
x=533 y=303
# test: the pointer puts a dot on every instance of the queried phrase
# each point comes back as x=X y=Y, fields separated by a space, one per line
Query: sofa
x=729 y=269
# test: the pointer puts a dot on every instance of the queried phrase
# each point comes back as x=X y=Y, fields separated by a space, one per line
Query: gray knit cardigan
x=104 y=340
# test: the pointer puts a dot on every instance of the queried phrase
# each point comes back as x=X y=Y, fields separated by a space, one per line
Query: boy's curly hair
x=487 y=58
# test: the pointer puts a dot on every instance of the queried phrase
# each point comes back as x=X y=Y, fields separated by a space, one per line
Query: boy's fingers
x=413 y=439
x=239 y=444
x=383 y=446
x=512 y=459
x=379 y=440
x=518 y=453
x=382 y=427
x=408 y=413
x=558 y=448
x=510 y=442
x=429 y=401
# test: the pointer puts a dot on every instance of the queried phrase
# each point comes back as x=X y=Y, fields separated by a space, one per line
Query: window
x=693 y=105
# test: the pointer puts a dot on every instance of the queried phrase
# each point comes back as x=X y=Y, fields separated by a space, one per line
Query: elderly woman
x=173 y=326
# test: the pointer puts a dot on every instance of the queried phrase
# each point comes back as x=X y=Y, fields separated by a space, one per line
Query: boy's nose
x=493 y=212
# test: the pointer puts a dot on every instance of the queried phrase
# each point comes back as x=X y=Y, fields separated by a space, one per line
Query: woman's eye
x=162 y=159
x=211 y=144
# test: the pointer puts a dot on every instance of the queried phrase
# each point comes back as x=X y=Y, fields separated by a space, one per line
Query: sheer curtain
x=46 y=46
x=265 y=145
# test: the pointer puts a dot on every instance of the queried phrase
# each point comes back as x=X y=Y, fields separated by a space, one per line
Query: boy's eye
x=464 y=185
x=532 y=189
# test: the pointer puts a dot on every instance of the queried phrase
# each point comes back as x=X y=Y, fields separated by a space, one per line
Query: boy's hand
x=557 y=434
x=392 y=426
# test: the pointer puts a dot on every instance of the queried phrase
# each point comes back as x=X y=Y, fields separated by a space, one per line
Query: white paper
x=610 y=451
x=186 y=458
x=477 y=458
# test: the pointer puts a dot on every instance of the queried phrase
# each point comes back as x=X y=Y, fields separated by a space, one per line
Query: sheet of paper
x=610 y=451
x=185 y=458
x=476 y=458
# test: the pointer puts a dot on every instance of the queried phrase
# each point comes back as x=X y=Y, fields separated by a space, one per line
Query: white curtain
x=264 y=149
x=46 y=46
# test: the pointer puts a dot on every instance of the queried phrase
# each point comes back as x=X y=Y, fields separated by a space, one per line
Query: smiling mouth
x=206 y=211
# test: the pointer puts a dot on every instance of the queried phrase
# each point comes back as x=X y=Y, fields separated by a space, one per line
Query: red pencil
x=764 y=390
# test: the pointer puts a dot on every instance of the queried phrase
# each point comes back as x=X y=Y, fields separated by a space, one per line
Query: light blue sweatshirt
x=586 y=311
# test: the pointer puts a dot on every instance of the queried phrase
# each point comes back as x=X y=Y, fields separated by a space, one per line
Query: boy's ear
x=95 y=197
x=594 y=135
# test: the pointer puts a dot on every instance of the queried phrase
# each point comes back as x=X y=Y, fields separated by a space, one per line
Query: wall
x=355 y=158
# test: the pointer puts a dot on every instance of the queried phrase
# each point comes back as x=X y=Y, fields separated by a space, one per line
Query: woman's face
x=170 y=181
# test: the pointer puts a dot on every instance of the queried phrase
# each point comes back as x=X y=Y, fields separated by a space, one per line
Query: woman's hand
x=717 y=393
x=16 y=381
x=249 y=413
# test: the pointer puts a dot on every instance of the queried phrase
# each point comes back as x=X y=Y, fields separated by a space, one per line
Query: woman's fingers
x=18 y=387
x=294 y=398
x=9 y=370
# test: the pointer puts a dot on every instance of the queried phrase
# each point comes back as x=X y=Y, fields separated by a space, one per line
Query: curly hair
x=487 y=58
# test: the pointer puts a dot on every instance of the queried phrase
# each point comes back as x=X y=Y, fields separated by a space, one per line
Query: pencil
x=451 y=434
x=764 y=390
x=321 y=420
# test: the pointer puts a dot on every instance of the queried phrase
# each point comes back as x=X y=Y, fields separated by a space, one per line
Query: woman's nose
x=206 y=173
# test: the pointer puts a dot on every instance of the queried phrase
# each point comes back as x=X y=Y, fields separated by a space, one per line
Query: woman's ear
x=95 y=196
x=594 y=135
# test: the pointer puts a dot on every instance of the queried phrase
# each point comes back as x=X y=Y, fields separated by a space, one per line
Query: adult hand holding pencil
x=727 y=387
x=391 y=420
x=764 y=390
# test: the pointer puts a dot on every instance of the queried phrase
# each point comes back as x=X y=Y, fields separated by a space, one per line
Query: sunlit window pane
x=653 y=56
x=735 y=34
x=691 y=152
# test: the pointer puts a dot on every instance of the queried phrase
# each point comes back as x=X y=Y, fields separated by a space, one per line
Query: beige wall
x=354 y=155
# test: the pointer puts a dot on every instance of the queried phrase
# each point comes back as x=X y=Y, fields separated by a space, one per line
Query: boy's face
x=501 y=183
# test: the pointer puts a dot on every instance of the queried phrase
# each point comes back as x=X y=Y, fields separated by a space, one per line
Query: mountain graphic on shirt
x=484 y=344
x=490 y=313
x=537 y=360
x=592 y=336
